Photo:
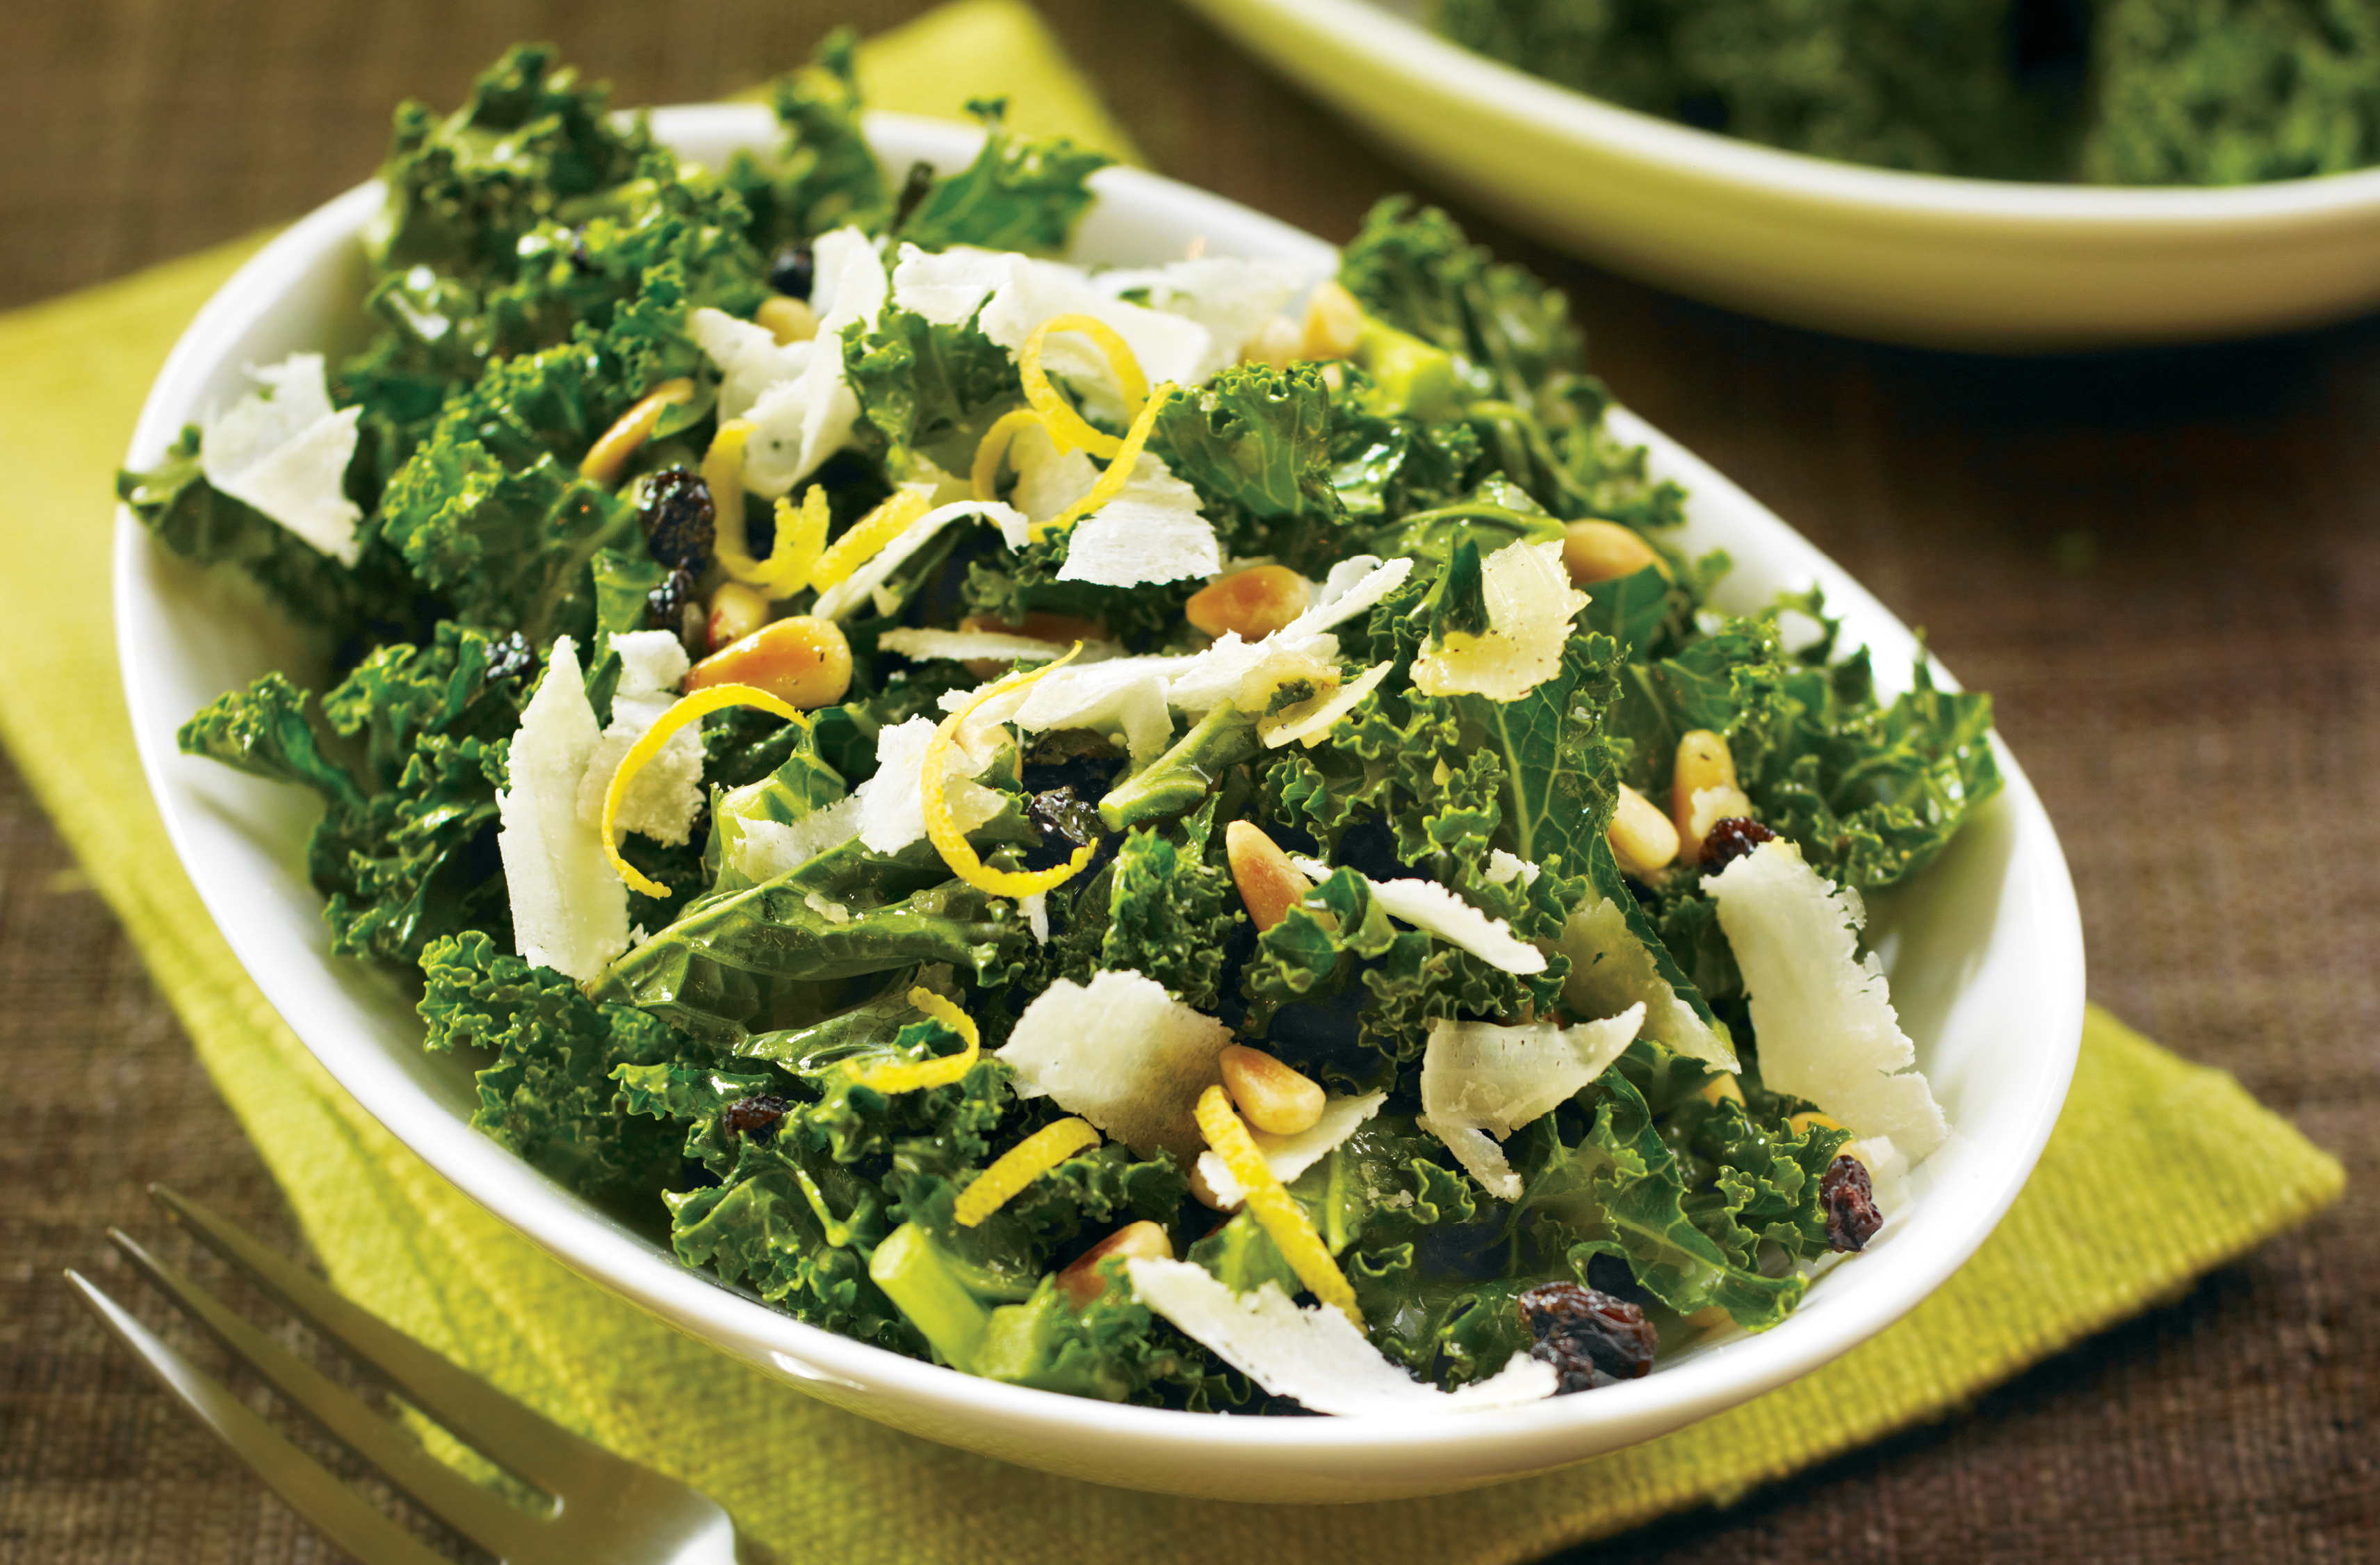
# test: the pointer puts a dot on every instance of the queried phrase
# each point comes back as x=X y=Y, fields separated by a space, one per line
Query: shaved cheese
x=1351 y=589
x=1123 y=1054
x=947 y=286
x=1047 y=481
x=891 y=813
x=961 y=646
x=766 y=849
x=800 y=420
x=1036 y=909
x=1020 y=1165
x=667 y=793
x=750 y=358
x=1610 y=967
x=1317 y=1355
x=1824 y=1019
x=284 y=452
x=1289 y=1156
x=1230 y=296
x=1428 y=906
x=1311 y=721
x=1478 y=1080
x=1530 y=605
x=860 y=587
x=570 y=910
x=1503 y=867
x=1152 y=532
x=1123 y=697
x=681 y=713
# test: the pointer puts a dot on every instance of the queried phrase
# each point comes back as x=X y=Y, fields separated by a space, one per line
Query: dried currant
x=1590 y=1338
x=755 y=1116
x=1730 y=840
x=793 y=272
x=676 y=607
x=676 y=515
x=915 y=188
x=1849 y=1201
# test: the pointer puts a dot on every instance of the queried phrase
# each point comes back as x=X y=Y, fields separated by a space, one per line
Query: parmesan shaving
x=1428 y=906
x=1123 y=1054
x=962 y=646
x=1480 y=1080
x=284 y=452
x=1824 y=1019
x=806 y=417
x=1289 y=1156
x=570 y=911
x=766 y=849
x=667 y=794
x=1503 y=867
x=860 y=587
x=1610 y=967
x=1152 y=532
x=1311 y=721
x=891 y=813
x=1315 y=1355
x=1530 y=605
x=1230 y=298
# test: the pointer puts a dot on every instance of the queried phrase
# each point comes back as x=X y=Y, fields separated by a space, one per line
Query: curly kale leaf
x=1019 y=194
x=1255 y=442
x=1171 y=909
x=464 y=189
x=927 y=389
x=268 y=730
x=826 y=177
x=549 y=1094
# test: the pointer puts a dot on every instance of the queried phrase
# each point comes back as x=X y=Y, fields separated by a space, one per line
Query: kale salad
x=1183 y=834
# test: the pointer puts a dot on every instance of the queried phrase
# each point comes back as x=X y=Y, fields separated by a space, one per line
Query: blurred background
x=2164 y=565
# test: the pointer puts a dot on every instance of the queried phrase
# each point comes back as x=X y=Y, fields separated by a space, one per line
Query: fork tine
x=335 y=1510
x=477 y=1513
x=523 y=1443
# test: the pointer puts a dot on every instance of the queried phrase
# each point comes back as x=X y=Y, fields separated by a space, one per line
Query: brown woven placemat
x=2167 y=567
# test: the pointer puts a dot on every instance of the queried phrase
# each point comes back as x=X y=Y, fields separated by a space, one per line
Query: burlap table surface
x=2162 y=565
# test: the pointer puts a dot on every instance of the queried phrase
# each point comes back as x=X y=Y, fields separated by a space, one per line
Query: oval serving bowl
x=1986 y=954
x=1906 y=258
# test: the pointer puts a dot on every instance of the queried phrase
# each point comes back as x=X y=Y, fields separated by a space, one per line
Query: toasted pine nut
x=1061 y=628
x=1642 y=838
x=788 y=319
x=1269 y=1094
x=1800 y=1125
x=1597 y=552
x=1704 y=763
x=610 y=452
x=1276 y=343
x=1710 y=1317
x=1333 y=323
x=1255 y=603
x=1204 y=1192
x=803 y=662
x=1269 y=883
x=1081 y=1281
x=1723 y=1089
x=737 y=611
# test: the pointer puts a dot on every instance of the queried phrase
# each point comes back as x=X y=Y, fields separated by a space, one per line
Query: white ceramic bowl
x=1908 y=258
x=1985 y=957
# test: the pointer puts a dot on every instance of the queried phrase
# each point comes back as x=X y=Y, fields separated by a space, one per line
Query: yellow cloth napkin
x=2158 y=1170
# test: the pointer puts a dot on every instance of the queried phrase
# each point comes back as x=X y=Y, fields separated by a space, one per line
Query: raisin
x=676 y=515
x=509 y=659
x=1590 y=1338
x=793 y=272
x=1850 y=1203
x=914 y=191
x=755 y=1116
x=1730 y=840
x=674 y=606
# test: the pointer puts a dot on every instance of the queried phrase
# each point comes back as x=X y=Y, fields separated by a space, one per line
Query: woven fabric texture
x=2160 y=1170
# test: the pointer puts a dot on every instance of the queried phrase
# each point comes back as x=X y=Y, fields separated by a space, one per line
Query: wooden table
x=2165 y=564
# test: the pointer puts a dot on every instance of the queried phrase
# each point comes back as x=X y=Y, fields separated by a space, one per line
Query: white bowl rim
x=1777 y=177
x=1513 y=1441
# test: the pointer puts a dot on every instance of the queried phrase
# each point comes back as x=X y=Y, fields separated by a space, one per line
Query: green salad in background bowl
x=1197 y=827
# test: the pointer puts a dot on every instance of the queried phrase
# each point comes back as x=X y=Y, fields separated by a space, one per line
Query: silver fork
x=604 y=1509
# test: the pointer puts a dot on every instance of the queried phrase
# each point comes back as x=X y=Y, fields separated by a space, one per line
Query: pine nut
x=737 y=611
x=1334 y=321
x=1255 y=603
x=1642 y=838
x=1801 y=1123
x=1604 y=552
x=1271 y=1096
x=803 y=662
x=1723 y=1089
x=788 y=319
x=630 y=431
x=1269 y=885
x=1702 y=791
x=1081 y=1281
x=1276 y=343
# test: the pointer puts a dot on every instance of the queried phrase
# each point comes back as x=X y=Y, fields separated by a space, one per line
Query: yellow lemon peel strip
x=649 y=745
x=994 y=445
x=868 y=535
x=801 y=535
x=1119 y=471
x=912 y=1075
x=1069 y=431
x=943 y=828
x=1275 y=1209
x=1020 y=1165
